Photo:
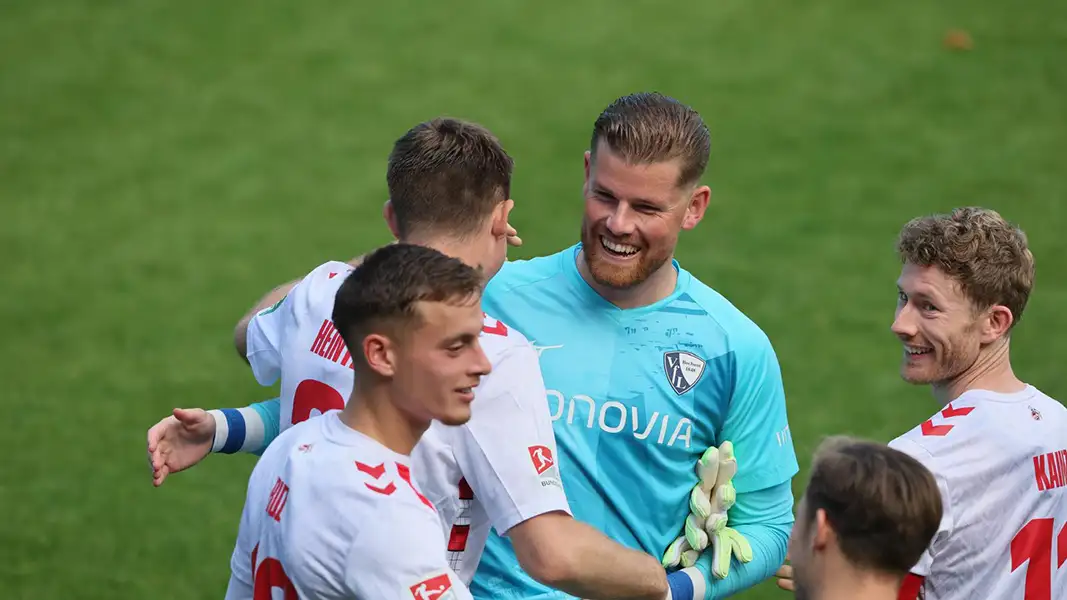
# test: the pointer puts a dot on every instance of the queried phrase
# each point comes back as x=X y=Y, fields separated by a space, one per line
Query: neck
x=372 y=411
x=990 y=371
x=656 y=287
x=847 y=583
x=467 y=250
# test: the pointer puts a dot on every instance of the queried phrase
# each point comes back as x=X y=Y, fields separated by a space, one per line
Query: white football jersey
x=1000 y=461
x=333 y=514
x=495 y=471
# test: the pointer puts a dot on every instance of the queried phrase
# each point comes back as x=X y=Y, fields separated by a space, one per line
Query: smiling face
x=440 y=361
x=633 y=216
x=965 y=281
x=941 y=331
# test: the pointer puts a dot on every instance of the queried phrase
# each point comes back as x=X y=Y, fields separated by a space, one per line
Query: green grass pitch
x=163 y=164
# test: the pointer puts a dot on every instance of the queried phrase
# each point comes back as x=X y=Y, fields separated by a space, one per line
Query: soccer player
x=646 y=366
x=867 y=514
x=449 y=187
x=333 y=511
x=998 y=447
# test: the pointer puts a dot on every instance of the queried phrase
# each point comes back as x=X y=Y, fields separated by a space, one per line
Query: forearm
x=606 y=569
x=573 y=557
x=250 y=429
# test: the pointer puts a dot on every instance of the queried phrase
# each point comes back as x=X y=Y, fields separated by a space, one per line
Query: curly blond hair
x=980 y=250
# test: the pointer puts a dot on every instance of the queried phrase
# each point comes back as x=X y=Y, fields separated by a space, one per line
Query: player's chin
x=614 y=275
x=457 y=415
x=916 y=375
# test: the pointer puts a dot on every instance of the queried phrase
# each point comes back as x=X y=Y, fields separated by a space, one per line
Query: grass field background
x=164 y=164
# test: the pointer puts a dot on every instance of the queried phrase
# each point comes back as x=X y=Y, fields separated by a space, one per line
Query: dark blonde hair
x=649 y=127
x=446 y=176
x=986 y=255
x=883 y=505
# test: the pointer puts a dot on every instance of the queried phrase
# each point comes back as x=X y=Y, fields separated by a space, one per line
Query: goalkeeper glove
x=709 y=502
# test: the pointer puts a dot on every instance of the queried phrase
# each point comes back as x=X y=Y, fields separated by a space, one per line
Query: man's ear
x=380 y=355
x=389 y=213
x=997 y=323
x=588 y=167
x=501 y=214
x=698 y=205
x=823 y=534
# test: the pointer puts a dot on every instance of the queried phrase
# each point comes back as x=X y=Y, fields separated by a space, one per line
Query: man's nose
x=621 y=222
x=904 y=322
x=482 y=366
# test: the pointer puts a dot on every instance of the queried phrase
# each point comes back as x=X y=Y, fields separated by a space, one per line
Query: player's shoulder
x=287 y=439
x=1041 y=403
x=328 y=275
x=345 y=467
x=719 y=316
x=318 y=287
x=499 y=337
x=966 y=426
x=274 y=461
x=541 y=270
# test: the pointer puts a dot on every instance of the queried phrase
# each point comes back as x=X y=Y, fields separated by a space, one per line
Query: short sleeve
x=241 y=567
x=264 y=339
x=944 y=530
x=756 y=422
x=507 y=451
x=400 y=554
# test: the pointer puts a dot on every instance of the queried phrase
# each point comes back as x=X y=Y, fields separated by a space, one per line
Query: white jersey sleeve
x=268 y=329
x=507 y=450
x=240 y=586
x=242 y=567
x=944 y=530
x=393 y=558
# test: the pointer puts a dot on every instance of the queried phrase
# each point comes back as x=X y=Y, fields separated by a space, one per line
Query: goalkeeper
x=646 y=369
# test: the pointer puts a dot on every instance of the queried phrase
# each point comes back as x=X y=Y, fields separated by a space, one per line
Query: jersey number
x=1033 y=543
x=314 y=395
x=269 y=575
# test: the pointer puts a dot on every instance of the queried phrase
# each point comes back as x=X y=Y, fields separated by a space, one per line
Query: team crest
x=683 y=369
x=1035 y=413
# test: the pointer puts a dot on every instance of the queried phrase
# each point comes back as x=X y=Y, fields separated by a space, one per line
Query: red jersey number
x=269 y=575
x=314 y=395
x=1034 y=545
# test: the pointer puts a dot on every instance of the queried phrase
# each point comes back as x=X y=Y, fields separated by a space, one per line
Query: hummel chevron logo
x=929 y=429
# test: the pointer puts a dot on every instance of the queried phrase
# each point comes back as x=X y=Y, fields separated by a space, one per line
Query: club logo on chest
x=683 y=370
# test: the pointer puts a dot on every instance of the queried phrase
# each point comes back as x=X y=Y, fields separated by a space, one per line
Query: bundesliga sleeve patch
x=438 y=587
x=545 y=465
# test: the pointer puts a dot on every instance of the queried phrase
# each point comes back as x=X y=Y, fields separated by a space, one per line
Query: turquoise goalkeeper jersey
x=636 y=396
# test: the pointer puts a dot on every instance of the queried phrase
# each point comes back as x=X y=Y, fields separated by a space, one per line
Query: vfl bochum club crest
x=683 y=369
